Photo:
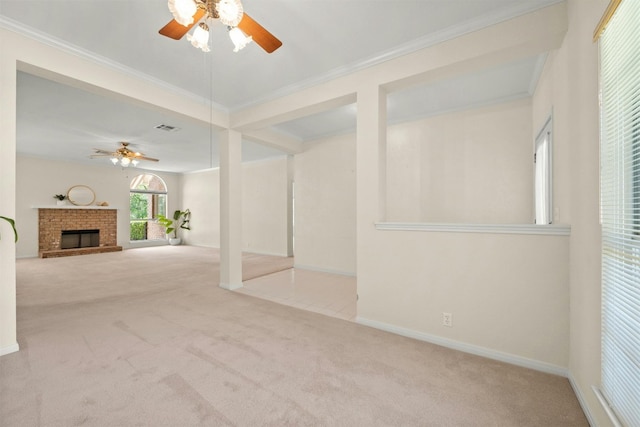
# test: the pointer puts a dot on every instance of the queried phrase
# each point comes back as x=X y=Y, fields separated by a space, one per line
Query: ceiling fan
x=123 y=155
x=242 y=28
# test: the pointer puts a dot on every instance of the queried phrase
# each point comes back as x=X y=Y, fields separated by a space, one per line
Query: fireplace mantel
x=73 y=207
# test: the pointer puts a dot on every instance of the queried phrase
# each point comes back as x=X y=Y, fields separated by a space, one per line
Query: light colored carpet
x=145 y=337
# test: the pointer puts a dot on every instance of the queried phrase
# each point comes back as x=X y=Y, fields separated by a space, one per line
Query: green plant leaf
x=13 y=225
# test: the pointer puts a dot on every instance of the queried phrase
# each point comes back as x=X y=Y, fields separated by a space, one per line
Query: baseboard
x=468 y=348
x=266 y=253
x=607 y=407
x=324 y=270
x=231 y=286
x=10 y=349
x=581 y=400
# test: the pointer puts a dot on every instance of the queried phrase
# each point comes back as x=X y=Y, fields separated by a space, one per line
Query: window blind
x=620 y=210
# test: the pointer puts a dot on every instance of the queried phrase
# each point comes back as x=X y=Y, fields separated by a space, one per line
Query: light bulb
x=230 y=12
x=239 y=39
x=200 y=37
x=183 y=11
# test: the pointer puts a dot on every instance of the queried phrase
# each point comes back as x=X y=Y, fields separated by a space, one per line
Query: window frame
x=155 y=210
x=543 y=185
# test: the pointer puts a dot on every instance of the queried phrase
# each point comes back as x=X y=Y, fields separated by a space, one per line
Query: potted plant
x=13 y=225
x=61 y=198
x=180 y=220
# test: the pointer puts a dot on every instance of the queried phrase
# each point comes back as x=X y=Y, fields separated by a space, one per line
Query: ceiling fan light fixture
x=200 y=37
x=230 y=12
x=183 y=11
x=123 y=156
x=239 y=39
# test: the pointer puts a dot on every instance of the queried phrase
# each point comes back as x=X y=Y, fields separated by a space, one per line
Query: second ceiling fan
x=242 y=28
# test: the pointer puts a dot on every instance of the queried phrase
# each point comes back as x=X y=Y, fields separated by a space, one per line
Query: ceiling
x=322 y=39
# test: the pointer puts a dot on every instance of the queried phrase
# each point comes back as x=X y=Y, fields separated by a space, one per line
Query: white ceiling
x=322 y=39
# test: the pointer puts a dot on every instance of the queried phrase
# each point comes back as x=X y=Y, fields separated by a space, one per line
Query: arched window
x=147 y=200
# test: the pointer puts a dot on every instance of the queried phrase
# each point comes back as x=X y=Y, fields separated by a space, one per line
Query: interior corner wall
x=325 y=206
x=469 y=166
x=569 y=86
x=37 y=180
x=264 y=206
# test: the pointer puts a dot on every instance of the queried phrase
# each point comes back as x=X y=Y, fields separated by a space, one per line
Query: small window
x=542 y=160
x=147 y=200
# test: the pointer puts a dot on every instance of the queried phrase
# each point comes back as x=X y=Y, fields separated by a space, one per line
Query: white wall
x=325 y=206
x=569 y=86
x=265 y=217
x=508 y=293
x=471 y=166
x=37 y=180
x=201 y=195
x=264 y=206
x=264 y=200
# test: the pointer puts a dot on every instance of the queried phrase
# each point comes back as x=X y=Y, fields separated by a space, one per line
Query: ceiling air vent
x=167 y=128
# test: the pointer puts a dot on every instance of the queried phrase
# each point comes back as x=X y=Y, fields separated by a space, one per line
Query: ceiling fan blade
x=104 y=152
x=260 y=35
x=176 y=30
x=150 y=159
x=93 y=156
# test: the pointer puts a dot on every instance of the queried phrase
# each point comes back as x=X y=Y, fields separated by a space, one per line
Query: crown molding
x=476 y=24
x=56 y=43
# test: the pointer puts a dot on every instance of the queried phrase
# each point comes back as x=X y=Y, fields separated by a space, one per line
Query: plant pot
x=174 y=241
x=61 y=202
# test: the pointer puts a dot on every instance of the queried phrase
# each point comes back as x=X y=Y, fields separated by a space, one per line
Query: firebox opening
x=72 y=239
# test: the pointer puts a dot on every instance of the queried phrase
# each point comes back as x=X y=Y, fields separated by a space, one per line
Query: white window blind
x=620 y=210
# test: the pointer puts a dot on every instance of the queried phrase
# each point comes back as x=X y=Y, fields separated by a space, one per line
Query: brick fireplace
x=52 y=222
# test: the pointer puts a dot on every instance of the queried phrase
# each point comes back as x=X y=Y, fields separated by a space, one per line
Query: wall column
x=231 y=210
x=8 y=76
x=290 y=203
x=371 y=143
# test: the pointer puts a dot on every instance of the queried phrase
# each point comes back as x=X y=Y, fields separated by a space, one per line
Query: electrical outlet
x=447 y=319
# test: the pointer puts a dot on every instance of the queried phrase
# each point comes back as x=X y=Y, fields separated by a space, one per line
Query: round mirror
x=81 y=195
